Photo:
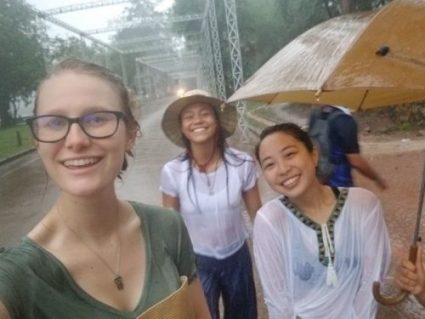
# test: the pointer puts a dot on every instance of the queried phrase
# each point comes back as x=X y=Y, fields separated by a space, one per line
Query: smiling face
x=198 y=123
x=288 y=166
x=81 y=165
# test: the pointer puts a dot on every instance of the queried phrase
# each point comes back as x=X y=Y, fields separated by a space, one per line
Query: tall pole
x=208 y=59
x=212 y=17
x=123 y=69
x=138 y=77
x=106 y=58
x=236 y=60
x=82 y=48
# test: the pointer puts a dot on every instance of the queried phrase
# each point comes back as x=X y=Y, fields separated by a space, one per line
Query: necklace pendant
x=118 y=281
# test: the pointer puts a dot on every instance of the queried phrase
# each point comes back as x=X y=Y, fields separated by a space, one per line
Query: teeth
x=290 y=181
x=201 y=129
x=80 y=162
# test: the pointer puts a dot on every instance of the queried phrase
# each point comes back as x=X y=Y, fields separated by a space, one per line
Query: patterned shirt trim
x=340 y=201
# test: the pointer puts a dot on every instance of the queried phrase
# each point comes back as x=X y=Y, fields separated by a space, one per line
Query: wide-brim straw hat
x=227 y=115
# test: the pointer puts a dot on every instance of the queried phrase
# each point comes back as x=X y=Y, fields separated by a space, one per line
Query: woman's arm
x=4 y=314
x=411 y=277
x=269 y=256
x=363 y=167
x=375 y=261
x=252 y=201
x=170 y=202
x=196 y=294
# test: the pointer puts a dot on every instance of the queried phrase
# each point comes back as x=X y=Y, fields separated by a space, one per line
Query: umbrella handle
x=394 y=300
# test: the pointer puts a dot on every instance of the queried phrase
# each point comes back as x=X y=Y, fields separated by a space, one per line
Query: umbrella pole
x=393 y=300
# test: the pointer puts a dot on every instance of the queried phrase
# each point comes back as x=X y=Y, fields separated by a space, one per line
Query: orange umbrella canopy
x=360 y=61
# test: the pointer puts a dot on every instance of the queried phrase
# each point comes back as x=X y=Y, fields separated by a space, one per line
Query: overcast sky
x=87 y=19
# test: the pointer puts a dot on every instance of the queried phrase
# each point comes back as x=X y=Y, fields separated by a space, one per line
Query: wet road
x=25 y=192
x=141 y=180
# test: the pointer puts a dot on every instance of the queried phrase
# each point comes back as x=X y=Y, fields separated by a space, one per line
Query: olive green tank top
x=35 y=284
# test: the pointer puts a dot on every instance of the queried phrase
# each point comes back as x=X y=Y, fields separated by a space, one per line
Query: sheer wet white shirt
x=213 y=217
x=294 y=281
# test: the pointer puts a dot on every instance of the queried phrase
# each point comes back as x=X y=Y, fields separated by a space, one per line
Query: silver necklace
x=211 y=184
x=118 y=279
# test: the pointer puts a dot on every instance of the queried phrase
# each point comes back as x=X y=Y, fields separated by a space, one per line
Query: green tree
x=21 y=55
x=266 y=26
x=338 y=7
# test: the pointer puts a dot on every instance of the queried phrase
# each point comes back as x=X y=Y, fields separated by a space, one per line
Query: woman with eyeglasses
x=94 y=255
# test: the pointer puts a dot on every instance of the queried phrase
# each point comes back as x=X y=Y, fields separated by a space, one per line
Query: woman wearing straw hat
x=206 y=184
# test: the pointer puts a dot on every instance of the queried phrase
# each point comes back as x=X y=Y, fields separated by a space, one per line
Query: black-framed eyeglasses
x=54 y=128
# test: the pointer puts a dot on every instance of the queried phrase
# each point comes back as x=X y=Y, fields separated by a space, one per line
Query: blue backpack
x=319 y=133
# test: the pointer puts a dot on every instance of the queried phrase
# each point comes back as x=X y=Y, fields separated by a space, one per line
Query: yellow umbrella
x=360 y=61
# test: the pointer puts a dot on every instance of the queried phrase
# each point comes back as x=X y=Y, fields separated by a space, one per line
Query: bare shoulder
x=45 y=231
x=4 y=314
x=131 y=219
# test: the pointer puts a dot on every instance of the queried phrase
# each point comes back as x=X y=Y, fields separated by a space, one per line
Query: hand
x=411 y=277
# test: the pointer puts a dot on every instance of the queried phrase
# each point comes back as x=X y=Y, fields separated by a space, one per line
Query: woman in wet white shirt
x=206 y=184
x=317 y=249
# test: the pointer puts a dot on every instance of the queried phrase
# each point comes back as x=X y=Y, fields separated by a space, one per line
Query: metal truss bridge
x=157 y=62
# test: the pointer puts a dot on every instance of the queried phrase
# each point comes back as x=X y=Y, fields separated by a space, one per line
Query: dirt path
x=403 y=174
x=400 y=160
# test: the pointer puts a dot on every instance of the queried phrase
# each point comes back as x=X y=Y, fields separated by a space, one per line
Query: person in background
x=94 y=255
x=345 y=149
x=411 y=277
x=206 y=184
x=318 y=249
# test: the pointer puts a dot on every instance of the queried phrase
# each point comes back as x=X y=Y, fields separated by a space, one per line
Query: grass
x=9 y=140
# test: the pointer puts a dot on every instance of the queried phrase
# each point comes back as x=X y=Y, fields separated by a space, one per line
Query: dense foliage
x=21 y=56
